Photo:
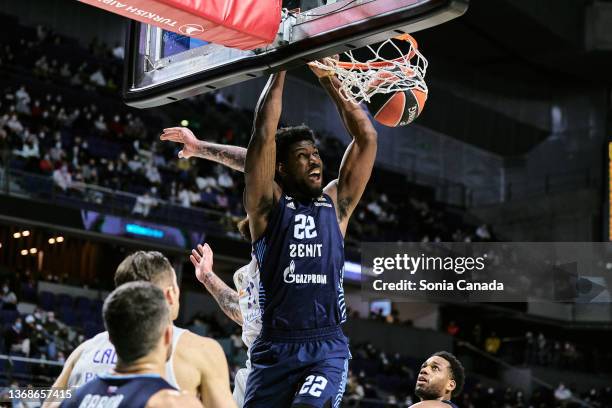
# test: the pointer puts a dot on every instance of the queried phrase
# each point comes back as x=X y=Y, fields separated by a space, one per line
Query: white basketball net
x=379 y=75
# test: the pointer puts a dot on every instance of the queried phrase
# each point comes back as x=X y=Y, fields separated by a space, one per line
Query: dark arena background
x=513 y=145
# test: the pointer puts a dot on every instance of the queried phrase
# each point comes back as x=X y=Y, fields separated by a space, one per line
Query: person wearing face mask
x=13 y=335
x=9 y=299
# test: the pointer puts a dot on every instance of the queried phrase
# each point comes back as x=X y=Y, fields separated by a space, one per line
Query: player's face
x=434 y=380
x=305 y=168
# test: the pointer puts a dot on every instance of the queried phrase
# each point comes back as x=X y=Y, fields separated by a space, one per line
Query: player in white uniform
x=197 y=364
x=240 y=305
x=98 y=356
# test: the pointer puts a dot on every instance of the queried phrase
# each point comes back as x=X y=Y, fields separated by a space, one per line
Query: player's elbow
x=371 y=136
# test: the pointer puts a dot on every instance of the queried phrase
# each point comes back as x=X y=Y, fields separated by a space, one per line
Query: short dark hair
x=149 y=266
x=135 y=315
x=287 y=136
x=456 y=369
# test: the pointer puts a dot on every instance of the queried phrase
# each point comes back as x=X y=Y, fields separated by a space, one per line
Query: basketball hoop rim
x=363 y=66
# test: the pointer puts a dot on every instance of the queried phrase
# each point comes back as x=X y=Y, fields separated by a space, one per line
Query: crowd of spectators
x=533 y=348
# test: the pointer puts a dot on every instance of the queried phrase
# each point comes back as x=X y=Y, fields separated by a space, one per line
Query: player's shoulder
x=199 y=346
x=100 y=337
x=170 y=398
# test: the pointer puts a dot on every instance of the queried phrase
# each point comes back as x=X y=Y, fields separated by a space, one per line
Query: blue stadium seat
x=7 y=317
x=64 y=300
x=83 y=303
x=46 y=300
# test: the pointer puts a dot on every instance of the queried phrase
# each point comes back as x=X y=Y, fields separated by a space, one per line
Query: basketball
x=397 y=108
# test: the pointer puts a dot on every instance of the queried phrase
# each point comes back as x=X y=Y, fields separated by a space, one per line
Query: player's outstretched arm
x=226 y=297
x=260 y=164
x=62 y=379
x=173 y=399
x=228 y=155
x=358 y=160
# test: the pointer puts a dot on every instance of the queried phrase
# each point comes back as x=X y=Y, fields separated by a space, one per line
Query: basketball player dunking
x=441 y=377
x=197 y=364
x=138 y=322
x=297 y=228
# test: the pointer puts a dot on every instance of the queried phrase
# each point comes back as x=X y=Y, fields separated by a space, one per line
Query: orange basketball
x=397 y=108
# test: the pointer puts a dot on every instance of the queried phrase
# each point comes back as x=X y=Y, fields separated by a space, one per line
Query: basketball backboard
x=163 y=67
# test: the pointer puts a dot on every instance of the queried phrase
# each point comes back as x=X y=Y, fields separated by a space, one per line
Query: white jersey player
x=97 y=356
x=240 y=305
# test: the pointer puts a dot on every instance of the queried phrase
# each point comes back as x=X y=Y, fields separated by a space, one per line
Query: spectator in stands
x=483 y=233
x=62 y=178
x=97 y=78
x=9 y=299
x=563 y=394
x=13 y=336
x=452 y=328
x=22 y=100
x=492 y=343
x=542 y=347
x=144 y=203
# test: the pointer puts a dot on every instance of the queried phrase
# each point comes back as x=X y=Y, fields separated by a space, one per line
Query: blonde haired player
x=197 y=364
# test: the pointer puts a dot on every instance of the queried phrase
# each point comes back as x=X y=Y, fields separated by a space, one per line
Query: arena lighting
x=24 y=252
x=184 y=122
x=26 y=233
x=52 y=241
x=59 y=239
x=33 y=250
x=17 y=235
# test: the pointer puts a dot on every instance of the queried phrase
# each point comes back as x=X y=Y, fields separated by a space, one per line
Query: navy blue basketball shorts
x=308 y=373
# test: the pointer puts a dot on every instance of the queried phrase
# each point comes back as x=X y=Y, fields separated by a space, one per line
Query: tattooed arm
x=226 y=297
x=230 y=156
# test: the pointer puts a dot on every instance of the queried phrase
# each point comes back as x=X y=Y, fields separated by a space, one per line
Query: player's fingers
x=171 y=134
x=168 y=136
x=201 y=250
x=193 y=260
x=207 y=250
x=196 y=255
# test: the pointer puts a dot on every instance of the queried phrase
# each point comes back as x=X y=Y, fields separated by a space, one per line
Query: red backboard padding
x=243 y=24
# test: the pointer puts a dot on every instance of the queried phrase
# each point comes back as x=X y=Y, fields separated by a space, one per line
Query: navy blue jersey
x=118 y=391
x=301 y=263
x=450 y=403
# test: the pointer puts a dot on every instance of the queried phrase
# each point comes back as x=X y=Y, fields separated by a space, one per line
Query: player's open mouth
x=315 y=175
x=421 y=380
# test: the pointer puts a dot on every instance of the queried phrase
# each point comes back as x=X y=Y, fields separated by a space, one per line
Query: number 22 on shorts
x=313 y=385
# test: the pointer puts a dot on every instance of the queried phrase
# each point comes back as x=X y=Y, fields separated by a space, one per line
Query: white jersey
x=98 y=357
x=246 y=280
